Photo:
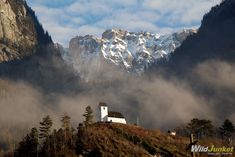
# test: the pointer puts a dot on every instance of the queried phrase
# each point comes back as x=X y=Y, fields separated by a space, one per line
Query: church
x=110 y=116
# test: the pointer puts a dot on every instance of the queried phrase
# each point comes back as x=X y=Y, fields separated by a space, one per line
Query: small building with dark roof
x=110 y=116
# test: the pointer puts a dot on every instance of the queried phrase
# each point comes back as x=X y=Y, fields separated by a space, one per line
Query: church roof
x=102 y=104
x=115 y=114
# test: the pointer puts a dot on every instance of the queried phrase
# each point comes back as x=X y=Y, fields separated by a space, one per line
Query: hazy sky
x=65 y=19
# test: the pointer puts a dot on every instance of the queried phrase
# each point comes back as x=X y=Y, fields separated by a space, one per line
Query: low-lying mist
x=157 y=102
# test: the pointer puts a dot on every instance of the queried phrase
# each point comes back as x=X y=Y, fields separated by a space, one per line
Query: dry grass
x=118 y=140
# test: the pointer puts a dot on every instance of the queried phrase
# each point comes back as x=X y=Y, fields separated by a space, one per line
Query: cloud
x=215 y=80
x=163 y=103
x=183 y=12
x=93 y=8
x=218 y=74
x=20 y=111
x=52 y=3
x=94 y=17
x=96 y=31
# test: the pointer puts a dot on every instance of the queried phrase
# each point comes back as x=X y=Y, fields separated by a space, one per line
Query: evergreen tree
x=88 y=116
x=28 y=147
x=34 y=137
x=45 y=127
x=66 y=131
x=227 y=129
x=200 y=127
x=66 y=124
x=79 y=142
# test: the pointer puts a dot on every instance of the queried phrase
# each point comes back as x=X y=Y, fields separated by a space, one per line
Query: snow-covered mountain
x=131 y=51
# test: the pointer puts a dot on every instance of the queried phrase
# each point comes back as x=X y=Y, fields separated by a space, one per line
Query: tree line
x=45 y=142
x=202 y=128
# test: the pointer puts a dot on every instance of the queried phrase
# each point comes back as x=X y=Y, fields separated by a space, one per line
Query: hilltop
x=112 y=139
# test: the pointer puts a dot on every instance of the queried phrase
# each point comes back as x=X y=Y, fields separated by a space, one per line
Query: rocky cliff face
x=20 y=32
x=27 y=52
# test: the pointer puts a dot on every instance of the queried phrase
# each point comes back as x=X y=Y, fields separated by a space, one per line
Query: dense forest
x=108 y=139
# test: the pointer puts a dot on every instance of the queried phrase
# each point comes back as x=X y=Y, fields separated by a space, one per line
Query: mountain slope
x=20 y=32
x=215 y=38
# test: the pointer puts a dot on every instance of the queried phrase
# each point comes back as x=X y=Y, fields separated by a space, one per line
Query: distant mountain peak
x=132 y=51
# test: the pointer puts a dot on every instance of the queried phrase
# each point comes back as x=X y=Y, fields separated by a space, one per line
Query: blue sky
x=65 y=19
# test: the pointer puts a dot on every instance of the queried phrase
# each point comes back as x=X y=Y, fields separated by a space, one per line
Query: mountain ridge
x=132 y=51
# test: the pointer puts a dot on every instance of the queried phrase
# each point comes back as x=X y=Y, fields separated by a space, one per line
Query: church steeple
x=103 y=112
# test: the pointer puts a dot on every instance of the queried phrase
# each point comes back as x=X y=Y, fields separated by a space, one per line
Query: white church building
x=110 y=116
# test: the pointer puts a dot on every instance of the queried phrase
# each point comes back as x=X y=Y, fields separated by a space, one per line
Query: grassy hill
x=118 y=140
x=111 y=139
